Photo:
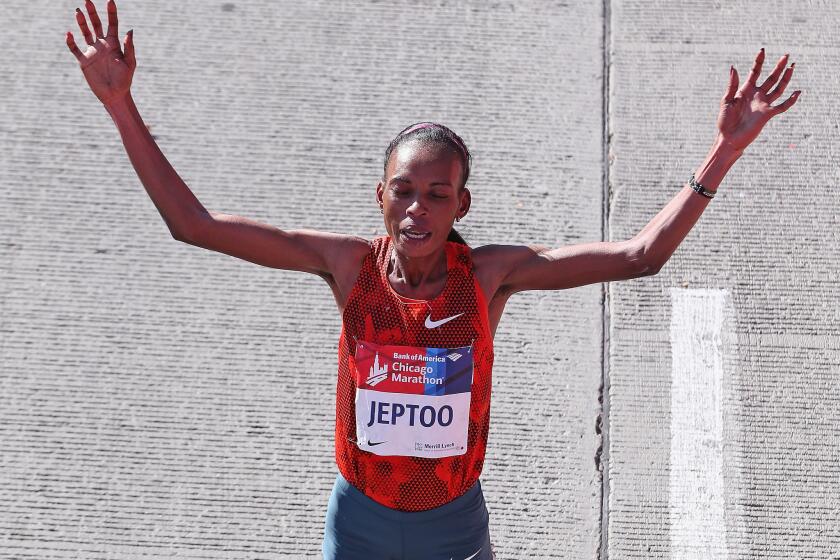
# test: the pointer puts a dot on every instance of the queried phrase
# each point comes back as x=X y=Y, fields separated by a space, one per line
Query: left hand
x=744 y=114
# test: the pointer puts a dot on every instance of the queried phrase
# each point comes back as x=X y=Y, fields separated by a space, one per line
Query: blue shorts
x=359 y=528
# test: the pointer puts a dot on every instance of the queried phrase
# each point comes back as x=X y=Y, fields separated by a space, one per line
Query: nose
x=416 y=208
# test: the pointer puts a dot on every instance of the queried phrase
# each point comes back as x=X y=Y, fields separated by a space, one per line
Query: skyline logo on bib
x=377 y=374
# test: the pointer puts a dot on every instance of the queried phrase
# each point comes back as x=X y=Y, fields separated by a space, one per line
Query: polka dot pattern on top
x=376 y=313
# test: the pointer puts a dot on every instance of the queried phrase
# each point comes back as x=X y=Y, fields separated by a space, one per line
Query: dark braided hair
x=433 y=132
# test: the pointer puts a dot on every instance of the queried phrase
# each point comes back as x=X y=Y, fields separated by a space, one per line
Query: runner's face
x=422 y=193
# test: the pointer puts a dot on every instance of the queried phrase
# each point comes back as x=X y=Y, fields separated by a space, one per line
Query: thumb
x=128 y=50
x=733 y=85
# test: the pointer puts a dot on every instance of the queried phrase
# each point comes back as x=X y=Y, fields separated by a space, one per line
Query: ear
x=464 y=202
x=379 y=189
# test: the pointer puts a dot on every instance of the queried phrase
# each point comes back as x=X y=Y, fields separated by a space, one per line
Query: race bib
x=412 y=400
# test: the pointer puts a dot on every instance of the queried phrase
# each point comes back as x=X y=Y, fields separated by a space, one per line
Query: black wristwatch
x=700 y=188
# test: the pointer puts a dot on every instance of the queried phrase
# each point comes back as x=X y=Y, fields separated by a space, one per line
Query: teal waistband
x=465 y=502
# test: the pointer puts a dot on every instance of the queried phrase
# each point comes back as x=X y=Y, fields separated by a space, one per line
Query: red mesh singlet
x=382 y=322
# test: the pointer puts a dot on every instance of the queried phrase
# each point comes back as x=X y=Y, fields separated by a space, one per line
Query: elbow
x=177 y=233
x=188 y=233
x=651 y=266
x=178 y=236
x=184 y=235
x=652 y=269
x=643 y=263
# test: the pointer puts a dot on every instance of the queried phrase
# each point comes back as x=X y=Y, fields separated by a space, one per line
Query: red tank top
x=413 y=391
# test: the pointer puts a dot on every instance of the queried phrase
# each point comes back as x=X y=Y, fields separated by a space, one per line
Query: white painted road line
x=696 y=502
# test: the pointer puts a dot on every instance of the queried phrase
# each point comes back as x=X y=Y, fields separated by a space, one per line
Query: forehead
x=424 y=158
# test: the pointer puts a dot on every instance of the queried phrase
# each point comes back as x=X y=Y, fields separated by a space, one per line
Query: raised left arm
x=742 y=116
x=743 y=113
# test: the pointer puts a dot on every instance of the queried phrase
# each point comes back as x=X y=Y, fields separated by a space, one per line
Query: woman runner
x=419 y=307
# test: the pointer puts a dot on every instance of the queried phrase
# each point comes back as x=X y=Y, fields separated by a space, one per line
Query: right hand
x=107 y=70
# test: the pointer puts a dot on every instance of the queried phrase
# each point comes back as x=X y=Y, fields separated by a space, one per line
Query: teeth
x=414 y=235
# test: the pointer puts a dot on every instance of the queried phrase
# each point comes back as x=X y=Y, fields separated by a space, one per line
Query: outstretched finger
x=780 y=89
x=80 y=19
x=71 y=44
x=756 y=70
x=778 y=109
x=128 y=49
x=777 y=71
x=94 y=19
x=733 y=85
x=113 y=27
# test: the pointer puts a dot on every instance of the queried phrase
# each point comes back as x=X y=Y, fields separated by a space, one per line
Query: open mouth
x=415 y=235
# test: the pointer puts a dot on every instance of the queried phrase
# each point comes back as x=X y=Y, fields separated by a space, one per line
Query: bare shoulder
x=497 y=258
x=345 y=257
x=494 y=262
x=348 y=252
x=339 y=256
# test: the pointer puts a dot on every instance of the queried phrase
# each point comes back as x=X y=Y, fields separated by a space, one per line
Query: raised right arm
x=109 y=72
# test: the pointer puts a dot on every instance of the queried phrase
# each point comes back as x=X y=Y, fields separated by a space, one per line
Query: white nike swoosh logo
x=470 y=556
x=432 y=324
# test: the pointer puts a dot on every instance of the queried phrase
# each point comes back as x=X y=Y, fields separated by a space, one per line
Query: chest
x=485 y=277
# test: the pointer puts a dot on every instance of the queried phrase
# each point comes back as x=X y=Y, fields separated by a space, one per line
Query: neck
x=416 y=272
